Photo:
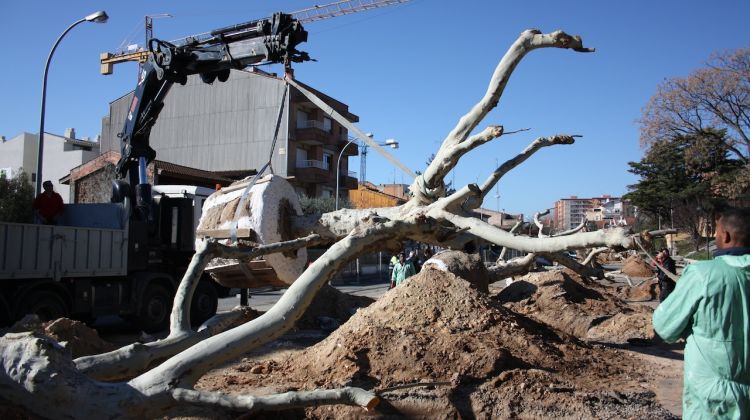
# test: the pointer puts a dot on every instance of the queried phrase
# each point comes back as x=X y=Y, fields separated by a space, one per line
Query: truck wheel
x=204 y=303
x=155 y=309
x=47 y=304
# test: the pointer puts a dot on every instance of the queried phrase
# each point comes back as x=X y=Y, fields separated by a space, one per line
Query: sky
x=410 y=72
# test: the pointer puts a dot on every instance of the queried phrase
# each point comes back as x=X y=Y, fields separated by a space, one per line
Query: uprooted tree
x=143 y=380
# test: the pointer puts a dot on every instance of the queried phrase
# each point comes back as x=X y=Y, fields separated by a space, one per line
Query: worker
x=402 y=270
x=48 y=205
x=666 y=284
x=710 y=308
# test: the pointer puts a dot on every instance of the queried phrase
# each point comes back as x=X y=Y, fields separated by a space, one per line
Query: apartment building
x=604 y=211
x=60 y=155
x=230 y=126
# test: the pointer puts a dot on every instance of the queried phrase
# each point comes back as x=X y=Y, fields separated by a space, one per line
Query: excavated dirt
x=568 y=303
x=644 y=292
x=330 y=309
x=480 y=359
x=82 y=340
x=634 y=266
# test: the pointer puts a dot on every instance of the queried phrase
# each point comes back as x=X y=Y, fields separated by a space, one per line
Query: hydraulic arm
x=271 y=40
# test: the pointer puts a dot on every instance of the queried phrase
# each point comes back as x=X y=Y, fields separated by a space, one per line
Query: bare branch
x=447 y=156
x=574 y=230
x=580 y=269
x=514 y=267
x=515 y=227
x=539 y=223
x=250 y=404
x=594 y=252
x=616 y=238
x=521 y=157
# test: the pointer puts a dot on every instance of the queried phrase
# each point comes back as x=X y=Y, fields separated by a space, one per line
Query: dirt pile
x=482 y=359
x=77 y=336
x=568 y=303
x=81 y=339
x=634 y=266
x=643 y=292
x=330 y=309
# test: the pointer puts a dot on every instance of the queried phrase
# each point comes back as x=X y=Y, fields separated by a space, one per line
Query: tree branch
x=521 y=157
x=250 y=404
x=616 y=238
x=448 y=155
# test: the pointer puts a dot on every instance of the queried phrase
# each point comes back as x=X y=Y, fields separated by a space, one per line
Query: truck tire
x=204 y=303
x=155 y=309
x=47 y=304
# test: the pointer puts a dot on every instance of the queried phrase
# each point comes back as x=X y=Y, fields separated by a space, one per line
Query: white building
x=61 y=154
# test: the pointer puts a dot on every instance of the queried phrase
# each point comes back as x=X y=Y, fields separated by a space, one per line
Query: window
x=327 y=124
x=301 y=119
x=301 y=154
x=327 y=158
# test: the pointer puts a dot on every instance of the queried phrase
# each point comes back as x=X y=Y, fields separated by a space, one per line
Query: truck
x=127 y=256
x=97 y=261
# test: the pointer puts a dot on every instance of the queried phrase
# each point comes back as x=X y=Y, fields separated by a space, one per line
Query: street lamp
x=390 y=142
x=97 y=17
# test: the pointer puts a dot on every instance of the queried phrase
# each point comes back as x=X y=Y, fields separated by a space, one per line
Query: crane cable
x=268 y=165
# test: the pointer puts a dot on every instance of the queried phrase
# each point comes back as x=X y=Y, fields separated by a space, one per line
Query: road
x=264 y=299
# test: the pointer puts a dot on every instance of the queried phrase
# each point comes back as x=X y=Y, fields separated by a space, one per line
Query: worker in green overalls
x=710 y=307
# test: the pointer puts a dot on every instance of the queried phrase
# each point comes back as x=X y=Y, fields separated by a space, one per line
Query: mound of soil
x=77 y=336
x=82 y=340
x=330 y=309
x=568 y=303
x=644 y=292
x=474 y=357
x=634 y=266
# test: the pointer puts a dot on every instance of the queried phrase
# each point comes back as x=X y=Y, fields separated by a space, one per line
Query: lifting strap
x=268 y=165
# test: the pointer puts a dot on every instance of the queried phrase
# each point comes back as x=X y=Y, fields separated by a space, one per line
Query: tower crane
x=310 y=14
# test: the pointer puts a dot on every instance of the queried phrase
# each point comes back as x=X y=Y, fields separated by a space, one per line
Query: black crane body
x=270 y=40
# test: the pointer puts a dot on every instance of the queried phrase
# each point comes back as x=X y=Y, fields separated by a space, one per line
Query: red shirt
x=48 y=205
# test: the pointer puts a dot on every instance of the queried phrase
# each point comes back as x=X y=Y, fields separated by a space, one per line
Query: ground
x=480 y=355
x=549 y=345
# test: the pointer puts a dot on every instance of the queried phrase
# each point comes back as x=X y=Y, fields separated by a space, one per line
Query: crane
x=310 y=14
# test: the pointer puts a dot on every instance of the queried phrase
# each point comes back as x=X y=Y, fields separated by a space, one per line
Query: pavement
x=371 y=285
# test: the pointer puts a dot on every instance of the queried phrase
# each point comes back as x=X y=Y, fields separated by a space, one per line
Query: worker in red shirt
x=48 y=206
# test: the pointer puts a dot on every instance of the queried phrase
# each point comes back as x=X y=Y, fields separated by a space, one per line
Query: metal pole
x=94 y=17
x=338 y=167
x=40 y=147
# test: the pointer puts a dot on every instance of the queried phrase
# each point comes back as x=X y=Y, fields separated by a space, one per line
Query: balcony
x=314 y=133
x=313 y=171
x=349 y=181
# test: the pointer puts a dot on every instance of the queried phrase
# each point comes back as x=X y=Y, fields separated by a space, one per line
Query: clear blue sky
x=410 y=72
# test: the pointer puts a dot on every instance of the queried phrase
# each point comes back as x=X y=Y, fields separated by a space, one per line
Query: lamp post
x=97 y=17
x=390 y=142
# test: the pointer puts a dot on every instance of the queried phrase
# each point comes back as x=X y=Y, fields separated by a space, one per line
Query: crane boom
x=310 y=14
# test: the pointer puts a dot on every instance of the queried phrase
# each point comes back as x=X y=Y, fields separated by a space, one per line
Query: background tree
x=710 y=98
x=710 y=104
x=684 y=178
x=16 y=196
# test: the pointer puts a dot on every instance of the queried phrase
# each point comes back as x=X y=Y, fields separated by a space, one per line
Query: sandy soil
x=474 y=356
x=634 y=266
x=549 y=345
